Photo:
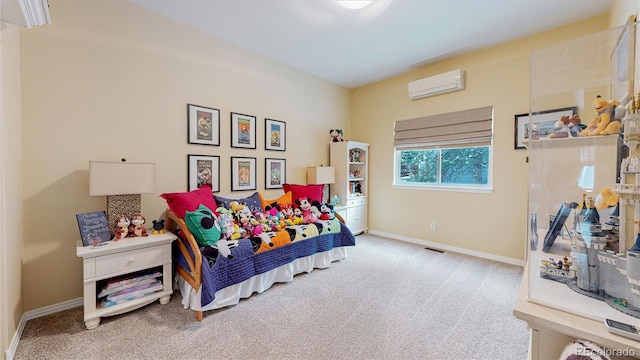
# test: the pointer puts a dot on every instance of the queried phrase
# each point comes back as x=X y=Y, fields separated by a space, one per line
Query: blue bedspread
x=246 y=262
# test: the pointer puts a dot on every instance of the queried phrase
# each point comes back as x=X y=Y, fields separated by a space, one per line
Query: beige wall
x=11 y=230
x=112 y=80
x=107 y=81
x=492 y=223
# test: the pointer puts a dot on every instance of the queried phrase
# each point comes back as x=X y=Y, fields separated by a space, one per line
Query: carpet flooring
x=388 y=300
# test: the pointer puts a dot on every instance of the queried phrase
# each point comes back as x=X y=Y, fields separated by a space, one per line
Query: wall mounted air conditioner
x=438 y=84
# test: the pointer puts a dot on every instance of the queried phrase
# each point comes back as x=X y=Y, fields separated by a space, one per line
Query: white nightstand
x=119 y=258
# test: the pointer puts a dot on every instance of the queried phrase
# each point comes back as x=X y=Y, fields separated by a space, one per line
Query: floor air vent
x=434 y=250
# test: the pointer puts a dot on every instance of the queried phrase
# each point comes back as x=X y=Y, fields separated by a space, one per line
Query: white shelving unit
x=350 y=160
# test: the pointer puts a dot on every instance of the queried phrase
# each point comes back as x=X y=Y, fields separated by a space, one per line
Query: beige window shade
x=472 y=127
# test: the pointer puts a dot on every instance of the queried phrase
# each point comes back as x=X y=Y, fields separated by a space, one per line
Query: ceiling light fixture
x=354 y=4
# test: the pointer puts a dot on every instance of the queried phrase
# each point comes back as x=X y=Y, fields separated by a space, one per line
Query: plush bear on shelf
x=605 y=122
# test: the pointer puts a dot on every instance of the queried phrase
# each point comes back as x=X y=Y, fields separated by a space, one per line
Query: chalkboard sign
x=94 y=228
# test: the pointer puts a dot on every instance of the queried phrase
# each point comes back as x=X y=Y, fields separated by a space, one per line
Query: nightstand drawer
x=128 y=261
x=356 y=201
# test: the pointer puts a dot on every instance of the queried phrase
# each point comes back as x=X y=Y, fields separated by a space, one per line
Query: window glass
x=444 y=167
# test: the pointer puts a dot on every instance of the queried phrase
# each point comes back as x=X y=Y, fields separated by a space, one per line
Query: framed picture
x=275 y=132
x=204 y=125
x=543 y=122
x=243 y=173
x=243 y=131
x=203 y=169
x=274 y=173
x=622 y=64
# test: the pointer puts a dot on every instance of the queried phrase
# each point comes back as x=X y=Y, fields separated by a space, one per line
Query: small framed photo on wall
x=243 y=131
x=243 y=173
x=275 y=135
x=275 y=173
x=203 y=125
x=203 y=169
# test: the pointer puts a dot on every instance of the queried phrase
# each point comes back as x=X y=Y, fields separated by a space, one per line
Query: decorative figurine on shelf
x=359 y=188
x=356 y=174
x=158 y=227
x=604 y=123
x=137 y=226
x=355 y=155
x=336 y=135
x=122 y=225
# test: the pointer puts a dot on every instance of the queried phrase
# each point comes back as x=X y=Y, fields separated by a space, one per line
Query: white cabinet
x=119 y=259
x=350 y=160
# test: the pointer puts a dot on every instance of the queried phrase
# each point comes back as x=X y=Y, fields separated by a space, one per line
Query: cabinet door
x=357 y=218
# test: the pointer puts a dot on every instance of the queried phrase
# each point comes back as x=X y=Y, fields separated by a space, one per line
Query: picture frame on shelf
x=544 y=122
x=94 y=228
x=243 y=131
x=622 y=64
x=275 y=135
x=203 y=169
x=243 y=173
x=203 y=125
x=275 y=171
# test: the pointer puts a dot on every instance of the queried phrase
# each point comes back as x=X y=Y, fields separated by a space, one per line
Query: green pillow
x=203 y=224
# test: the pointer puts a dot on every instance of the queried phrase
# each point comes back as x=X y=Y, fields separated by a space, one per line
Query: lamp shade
x=321 y=175
x=120 y=178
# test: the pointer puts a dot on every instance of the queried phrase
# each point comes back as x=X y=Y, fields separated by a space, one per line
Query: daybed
x=209 y=278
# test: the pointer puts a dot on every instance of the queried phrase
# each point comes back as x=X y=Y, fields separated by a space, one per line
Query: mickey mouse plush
x=336 y=135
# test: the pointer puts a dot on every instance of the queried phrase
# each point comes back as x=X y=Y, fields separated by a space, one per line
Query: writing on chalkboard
x=94 y=228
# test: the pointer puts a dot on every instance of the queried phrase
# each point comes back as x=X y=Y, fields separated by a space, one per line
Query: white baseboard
x=33 y=314
x=455 y=249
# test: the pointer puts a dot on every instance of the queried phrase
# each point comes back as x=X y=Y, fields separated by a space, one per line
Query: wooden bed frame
x=192 y=275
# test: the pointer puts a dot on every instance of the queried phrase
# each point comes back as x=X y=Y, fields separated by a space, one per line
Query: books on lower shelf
x=118 y=290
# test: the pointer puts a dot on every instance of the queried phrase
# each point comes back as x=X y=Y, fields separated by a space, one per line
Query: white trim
x=11 y=351
x=33 y=314
x=455 y=249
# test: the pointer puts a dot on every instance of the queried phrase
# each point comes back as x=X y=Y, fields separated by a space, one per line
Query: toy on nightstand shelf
x=122 y=227
x=137 y=226
x=158 y=227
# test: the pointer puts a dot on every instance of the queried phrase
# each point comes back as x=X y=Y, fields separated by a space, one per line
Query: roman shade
x=472 y=127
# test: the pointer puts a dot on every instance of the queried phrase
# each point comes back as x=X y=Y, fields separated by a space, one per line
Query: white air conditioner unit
x=438 y=84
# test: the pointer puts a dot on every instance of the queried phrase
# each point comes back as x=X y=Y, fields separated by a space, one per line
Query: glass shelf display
x=584 y=183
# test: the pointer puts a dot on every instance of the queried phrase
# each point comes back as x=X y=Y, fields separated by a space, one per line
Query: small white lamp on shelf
x=122 y=183
x=322 y=175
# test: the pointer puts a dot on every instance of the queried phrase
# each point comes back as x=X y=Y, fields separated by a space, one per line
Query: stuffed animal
x=304 y=204
x=566 y=127
x=137 y=226
x=336 y=135
x=122 y=225
x=604 y=123
x=158 y=227
x=327 y=212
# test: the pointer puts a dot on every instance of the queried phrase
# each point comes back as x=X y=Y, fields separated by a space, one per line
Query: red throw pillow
x=304 y=191
x=182 y=202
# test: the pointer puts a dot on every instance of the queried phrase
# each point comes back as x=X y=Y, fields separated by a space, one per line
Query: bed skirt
x=231 y=295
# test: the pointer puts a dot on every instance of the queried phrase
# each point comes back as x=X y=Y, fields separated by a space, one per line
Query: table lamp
x=122 y=183
x=322 y=175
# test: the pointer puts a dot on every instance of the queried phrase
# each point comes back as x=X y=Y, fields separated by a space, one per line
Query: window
x=448 y=151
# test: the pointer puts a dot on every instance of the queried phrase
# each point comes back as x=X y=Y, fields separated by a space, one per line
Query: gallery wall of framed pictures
x=203 y=128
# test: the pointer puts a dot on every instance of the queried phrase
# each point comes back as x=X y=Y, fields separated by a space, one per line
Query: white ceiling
x=389 y=37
